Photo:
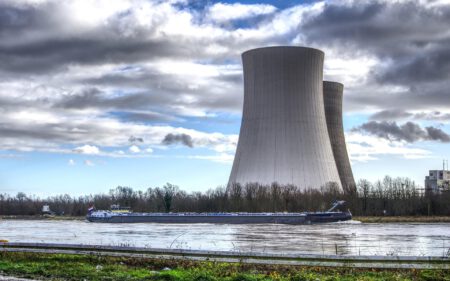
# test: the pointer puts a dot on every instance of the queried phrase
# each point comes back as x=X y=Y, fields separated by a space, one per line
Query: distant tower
x=283 y=136
x=332 y=92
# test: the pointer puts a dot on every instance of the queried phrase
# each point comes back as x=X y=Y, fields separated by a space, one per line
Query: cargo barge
x=126 y=216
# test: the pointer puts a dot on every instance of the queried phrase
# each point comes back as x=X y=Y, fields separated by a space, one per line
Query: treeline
x=390 y=196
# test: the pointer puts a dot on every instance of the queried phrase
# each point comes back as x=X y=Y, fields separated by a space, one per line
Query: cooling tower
x=283 y=136
x=332 y=93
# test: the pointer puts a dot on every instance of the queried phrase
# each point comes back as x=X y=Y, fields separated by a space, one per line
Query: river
x=347 y=238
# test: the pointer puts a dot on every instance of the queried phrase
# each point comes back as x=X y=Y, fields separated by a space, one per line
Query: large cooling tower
x=283 y=136
x=332 y=92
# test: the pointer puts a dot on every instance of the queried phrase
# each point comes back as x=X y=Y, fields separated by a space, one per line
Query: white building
x=437 y=181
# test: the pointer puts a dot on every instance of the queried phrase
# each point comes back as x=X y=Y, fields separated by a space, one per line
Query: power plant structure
x=284 y=137
x=332 y=95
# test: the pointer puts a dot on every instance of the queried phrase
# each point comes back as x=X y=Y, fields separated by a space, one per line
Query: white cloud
x=74 y=129
x=134 y=149
x=92 y=13
x=363 y=148
x=71 y=162
x=87 y=149
x=351 y=71
x=201 y=79
x=89 y=163
x=224 y=158
x=221 y=12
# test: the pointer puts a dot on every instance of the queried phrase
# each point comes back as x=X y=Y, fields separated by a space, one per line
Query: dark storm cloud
x=94 y=98
x=133 y=139
x=426 y=96
x=388 y=29
x=7 y=103
x=410 y=39
x=163 y=82
x=390 y=115
x=119 y=40
x=410 y=132
x=145 y=117
x=433 y=116
x=122 y=107
x=21 y=51
x=118 y=64
x=57 y=132
x=40 y=57
x=33 y=132
x=437 y=134
x=184 y=139
x=91 y=97
x=15 y=20
x=427 y=66
x=163 y=90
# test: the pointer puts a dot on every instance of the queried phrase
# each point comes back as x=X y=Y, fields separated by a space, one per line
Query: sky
x=96 y=94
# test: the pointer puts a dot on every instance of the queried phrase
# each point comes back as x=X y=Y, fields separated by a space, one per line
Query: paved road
x=239 y=257
x=9 y=278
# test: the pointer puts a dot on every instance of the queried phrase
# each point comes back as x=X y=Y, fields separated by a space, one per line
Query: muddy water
x=349 y=238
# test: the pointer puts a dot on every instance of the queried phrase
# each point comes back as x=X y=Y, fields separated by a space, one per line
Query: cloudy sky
x=95 y=94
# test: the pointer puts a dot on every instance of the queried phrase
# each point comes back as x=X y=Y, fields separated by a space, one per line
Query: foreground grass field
x=90 y=267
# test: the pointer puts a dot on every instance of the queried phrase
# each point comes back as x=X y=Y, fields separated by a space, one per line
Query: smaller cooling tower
x=332 y=93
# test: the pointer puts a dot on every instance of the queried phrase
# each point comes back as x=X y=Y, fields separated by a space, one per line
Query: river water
x=347 y=238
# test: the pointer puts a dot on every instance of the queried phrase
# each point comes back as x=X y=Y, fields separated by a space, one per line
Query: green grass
x=91 y=267
x=405 y=219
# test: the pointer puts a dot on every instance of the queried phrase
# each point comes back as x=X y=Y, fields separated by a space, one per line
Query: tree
x=170 y=191
x=124 y=195
x=364 y=188
x=21 y=196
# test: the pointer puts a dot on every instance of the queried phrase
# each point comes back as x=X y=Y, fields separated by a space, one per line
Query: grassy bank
x=43 y=217
x=386 y=219
x=84 y=267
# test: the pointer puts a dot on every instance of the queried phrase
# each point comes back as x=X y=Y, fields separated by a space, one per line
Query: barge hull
x=226 y=219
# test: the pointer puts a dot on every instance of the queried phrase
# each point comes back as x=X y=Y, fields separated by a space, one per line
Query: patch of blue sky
x=352 y=120
x=224 y=123
x=126 y=69
x=234 y=62
x=245 y=23
x=46 y=174
x=444 y=125
x=148 y=117
x=280 y=4
x=396 y=166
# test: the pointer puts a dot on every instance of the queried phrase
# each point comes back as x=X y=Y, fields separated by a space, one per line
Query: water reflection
x=431 y=239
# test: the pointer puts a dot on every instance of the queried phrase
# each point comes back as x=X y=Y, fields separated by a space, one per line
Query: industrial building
x=332 y=94
x=284 y=136
x=437 y=181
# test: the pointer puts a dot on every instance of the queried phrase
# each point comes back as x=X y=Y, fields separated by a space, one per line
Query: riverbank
x=364 y=219
x=93 y=267
x=403 y=219
x=44 y=217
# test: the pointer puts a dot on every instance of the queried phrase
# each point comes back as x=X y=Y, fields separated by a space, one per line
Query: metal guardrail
x=234 y=256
